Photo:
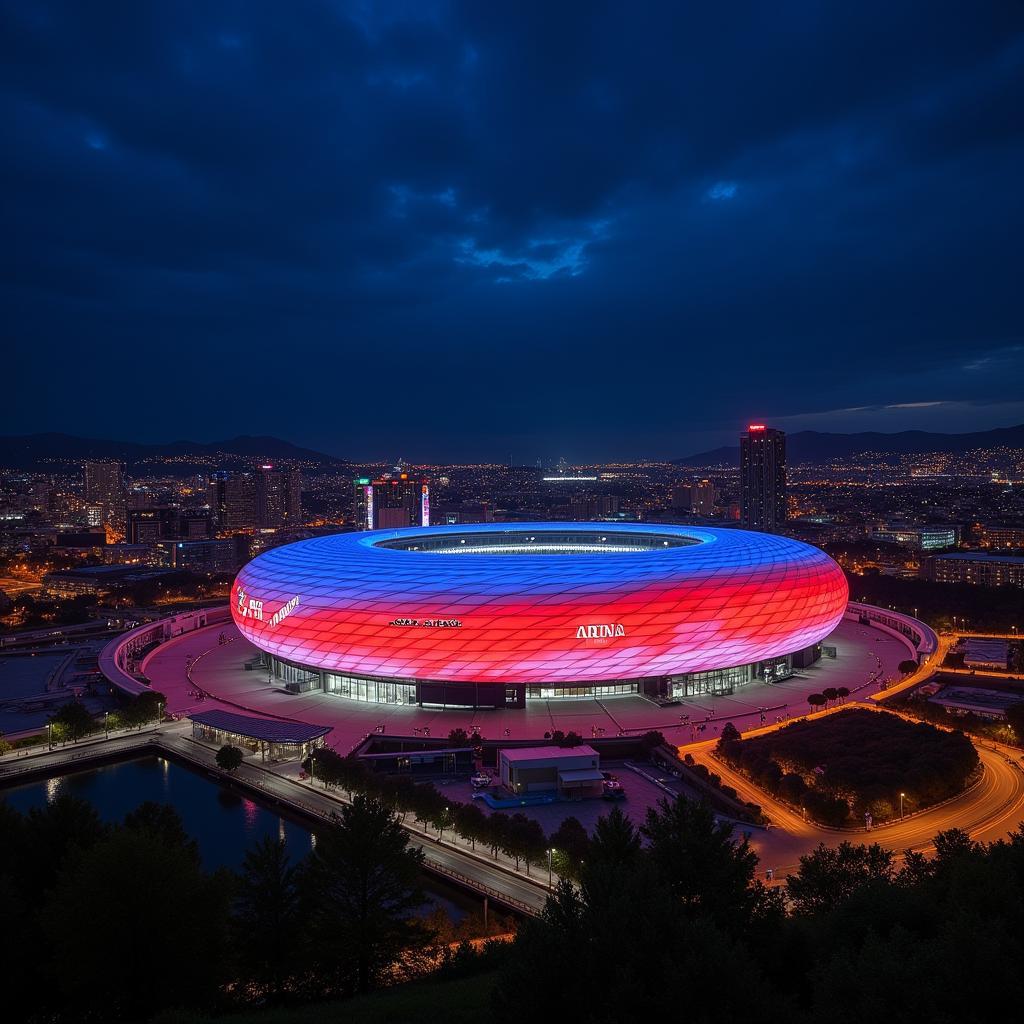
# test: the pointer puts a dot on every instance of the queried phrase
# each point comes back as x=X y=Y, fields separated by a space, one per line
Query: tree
x=53 y=833
x=842 y=692
x=825 y=808
x=143 y=709
x=587 y=951
x=816 y=700
x=229 y=757
x=458 y=738
x=830 y=694
x=266 y=921
x=908 y=666
x=653 y=739
x=791 y=788
x=498 y=825
x=570 y=848
x=528 y=842
x=831 y=875
x=616 y=843
x=149 y=900
x=708 y=870
x=162 y=822
x=470 y=822
x=1015 y=720
x=72 y=722
x=729 y=733
x=359 y=892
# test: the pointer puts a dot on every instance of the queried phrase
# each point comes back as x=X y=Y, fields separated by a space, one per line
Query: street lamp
x=106 y=726
x=49 y=735
x=902 y=795
x=551 y=850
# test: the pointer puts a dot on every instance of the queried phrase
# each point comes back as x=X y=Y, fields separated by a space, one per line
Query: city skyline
x=552 y=227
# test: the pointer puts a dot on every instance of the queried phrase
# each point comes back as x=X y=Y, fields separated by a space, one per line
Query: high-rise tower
x=762 y=478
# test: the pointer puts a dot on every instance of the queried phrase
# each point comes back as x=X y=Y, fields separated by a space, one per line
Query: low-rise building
x=96 y=580
x=934 y=537
x=986 y=652
x=983 y=570
x=572 y=772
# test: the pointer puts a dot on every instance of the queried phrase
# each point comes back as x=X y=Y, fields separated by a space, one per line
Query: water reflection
x=224 y=823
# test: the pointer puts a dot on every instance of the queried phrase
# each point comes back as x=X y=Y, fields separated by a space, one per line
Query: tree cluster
x=856 y=762
x=516 y=835
x=73 y=721
x=668 y=919
x=116 y=922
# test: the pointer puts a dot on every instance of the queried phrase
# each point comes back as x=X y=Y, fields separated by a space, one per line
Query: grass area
x=459 y=1001
x=855 y=762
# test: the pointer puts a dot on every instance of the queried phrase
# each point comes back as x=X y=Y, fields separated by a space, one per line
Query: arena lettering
x=284 y=611
x=600 y=632
x=428 y=623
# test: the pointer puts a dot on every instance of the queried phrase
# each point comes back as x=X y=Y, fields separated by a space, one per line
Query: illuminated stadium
x=488 y=616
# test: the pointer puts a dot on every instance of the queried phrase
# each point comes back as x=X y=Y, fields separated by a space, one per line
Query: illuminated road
x=14 y=585
x=988 y=811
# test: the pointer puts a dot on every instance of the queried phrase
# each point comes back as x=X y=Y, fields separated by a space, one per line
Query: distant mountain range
x=815 y=447
x=43 y=451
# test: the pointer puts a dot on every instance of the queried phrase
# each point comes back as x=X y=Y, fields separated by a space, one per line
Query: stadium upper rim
x=539 y=539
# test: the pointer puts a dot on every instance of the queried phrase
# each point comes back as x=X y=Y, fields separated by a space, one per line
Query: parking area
x=640 y=795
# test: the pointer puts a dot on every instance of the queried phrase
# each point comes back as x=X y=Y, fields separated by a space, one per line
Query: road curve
x=987 y=811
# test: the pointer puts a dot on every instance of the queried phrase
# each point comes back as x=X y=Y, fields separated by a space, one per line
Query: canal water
x=224 y=822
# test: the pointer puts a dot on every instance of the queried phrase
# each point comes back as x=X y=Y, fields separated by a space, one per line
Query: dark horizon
x=461 y=232
x=810 y=446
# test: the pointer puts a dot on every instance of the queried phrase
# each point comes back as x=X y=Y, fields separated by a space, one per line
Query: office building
x=982 y=570
x=1000 y=535
x=583 y=507
x=103 y=492
x=232 y=500
x=204 y=556
x=696 y=496
x=392 y=502
x=762 y=478
x=149 y=525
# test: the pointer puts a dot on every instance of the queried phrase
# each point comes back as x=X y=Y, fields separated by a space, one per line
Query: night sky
x=458 y=231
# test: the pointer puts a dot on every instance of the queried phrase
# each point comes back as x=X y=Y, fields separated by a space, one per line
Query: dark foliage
x=856 y=762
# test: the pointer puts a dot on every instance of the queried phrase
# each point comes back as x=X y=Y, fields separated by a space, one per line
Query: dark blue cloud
x=552 y=227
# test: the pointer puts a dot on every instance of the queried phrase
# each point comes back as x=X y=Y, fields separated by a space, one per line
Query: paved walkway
x=196 y=663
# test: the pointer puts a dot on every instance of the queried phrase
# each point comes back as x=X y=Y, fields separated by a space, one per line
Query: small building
x=986 y=652
x=977 y=568
x=97 y=580
x=273 y=739
x=572 y=772
x=422 y=763
x=991 y=704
